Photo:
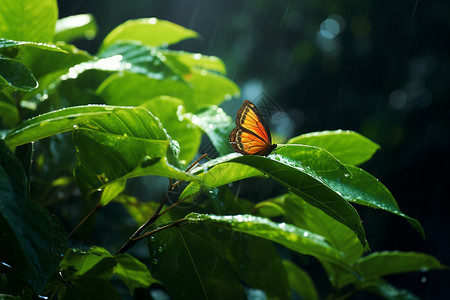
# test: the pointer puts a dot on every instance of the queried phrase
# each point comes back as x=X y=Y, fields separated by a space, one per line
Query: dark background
x=380 y=68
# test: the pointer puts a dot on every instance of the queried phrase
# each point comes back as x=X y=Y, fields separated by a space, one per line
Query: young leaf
x=32 y=241
x=133 y=273
x=385 y=290
x=74 y=27
x=151 y=32
x=347 y=146
x=300 y=281
x=189 y=268
x=28 y=20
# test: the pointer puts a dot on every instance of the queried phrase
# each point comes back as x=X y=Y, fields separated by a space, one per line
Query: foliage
x=138 y=108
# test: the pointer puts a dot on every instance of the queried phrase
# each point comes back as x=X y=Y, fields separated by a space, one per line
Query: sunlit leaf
x=75 y=27
x=347 y=146
x=364 y=189
x=301 y=179
x=304 y=215
x=143 y=60
x=216 y=124
x=24 y=20
x=168 y=111
x=290 y=236
x=186 y=61
x=151 y=31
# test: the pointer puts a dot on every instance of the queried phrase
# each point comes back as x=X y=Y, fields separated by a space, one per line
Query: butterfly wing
x=251 y=136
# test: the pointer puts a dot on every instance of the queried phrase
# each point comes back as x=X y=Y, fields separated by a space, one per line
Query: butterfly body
x=251 y=135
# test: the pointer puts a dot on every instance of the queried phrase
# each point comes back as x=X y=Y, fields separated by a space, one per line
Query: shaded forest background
x=381 y=68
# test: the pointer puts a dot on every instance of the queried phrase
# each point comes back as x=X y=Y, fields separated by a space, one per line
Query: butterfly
x=251 y=135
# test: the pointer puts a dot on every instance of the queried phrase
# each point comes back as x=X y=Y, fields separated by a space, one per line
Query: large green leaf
x=190 y=268
x=135 y=89
x=28 y=20
x=186 y=61
x=246 y=254
x=151 y=32
x=55 y=122
x=169 y=111
x=304 y=215
x=98 y=263
x=393 y=262
x=347 y=146
x=15 y=75
x=300 y=281
x=11 y=46
x=364 y=189
x=387 y=291
x=75 y=27
x=143 y=60
x=216 y=124
x=300 y=176
x=290 y=236
x=130 y=143
x=32 y=241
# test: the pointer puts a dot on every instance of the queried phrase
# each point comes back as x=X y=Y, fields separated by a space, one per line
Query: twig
x=90 y=214
x=135 y=237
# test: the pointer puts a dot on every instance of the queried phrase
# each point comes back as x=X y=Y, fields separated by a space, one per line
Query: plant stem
x=135 y=237
x=92 y=212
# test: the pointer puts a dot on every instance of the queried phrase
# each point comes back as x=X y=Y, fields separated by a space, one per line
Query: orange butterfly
x=251 y=135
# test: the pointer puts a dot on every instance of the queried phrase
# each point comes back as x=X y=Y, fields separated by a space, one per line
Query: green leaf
x=364 y=189
x=190 y=268
x=74 y=27
x=168 y=111
x=111 y=191
x=300 y=281
x=32 y=241
x=246 y=254
x=301 y=179
x=151 y=32
x=135 y=89
x=16 y=75
x=27 y=20
x=88 y=288
x=130 y=143
x=186 y=61
x=209 y=88
x=393 y=262
x=387 y=291
x=133 y=273
x=301 y=214
x=98 y=263
x=9 y=115
x=11 y=46
x=347 y=146
x=216 y=124
x=55 y=122
x=143 y=60
x=290 y=236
